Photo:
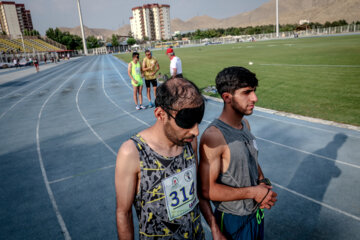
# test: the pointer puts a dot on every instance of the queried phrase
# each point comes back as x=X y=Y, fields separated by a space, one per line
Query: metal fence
x=347 y=29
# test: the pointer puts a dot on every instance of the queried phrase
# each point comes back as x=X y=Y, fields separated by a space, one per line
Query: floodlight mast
x=82 y=29
x=277 y=18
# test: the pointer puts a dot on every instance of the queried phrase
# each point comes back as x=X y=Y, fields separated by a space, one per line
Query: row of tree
x=234 y=31
x=74 y=42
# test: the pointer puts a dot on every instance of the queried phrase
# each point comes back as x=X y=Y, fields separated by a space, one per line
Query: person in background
x=175 y=64
x=150 y=68
x=135 y=74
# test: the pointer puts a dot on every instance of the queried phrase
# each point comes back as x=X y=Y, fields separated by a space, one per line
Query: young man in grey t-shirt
x=229 y=170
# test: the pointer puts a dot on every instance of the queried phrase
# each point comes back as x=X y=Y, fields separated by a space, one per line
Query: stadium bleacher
x=31 y=45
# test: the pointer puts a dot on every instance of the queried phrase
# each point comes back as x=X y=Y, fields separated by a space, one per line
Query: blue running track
x=61 y=128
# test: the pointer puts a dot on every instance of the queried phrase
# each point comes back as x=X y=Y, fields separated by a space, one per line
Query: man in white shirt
x=175 y=64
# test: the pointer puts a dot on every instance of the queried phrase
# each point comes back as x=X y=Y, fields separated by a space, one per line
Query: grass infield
x=316 y=77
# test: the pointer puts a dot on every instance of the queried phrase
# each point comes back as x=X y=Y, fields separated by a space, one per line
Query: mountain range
x=290 y=11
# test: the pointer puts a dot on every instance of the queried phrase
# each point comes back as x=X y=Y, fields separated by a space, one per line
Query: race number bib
x=180 y=192
x=137 y=70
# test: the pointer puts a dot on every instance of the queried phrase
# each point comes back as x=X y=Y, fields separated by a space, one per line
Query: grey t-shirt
x=243 y=167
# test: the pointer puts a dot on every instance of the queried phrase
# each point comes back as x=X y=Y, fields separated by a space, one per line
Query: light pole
x=82 y=29
x=22 y=40
x=277 y=18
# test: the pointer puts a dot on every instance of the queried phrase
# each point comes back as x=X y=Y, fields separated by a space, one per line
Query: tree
x=131 y=41
x=72 y=42
x=92 y=42
x=114 y=40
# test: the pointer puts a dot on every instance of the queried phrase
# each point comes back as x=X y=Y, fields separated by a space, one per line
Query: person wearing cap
x=175 y=64
x=156 y=171
x=135 y=74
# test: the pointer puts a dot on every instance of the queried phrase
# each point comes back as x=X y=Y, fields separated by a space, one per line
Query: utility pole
x=277 y=18
x=82 y=29
x=22 y=40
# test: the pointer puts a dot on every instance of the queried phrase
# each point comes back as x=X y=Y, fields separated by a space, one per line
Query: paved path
x=61 y=129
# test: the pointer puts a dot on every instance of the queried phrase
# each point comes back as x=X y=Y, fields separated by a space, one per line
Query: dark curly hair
x=232 y=78
x=176 y=93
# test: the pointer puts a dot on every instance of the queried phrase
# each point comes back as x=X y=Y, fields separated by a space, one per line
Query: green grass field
x=316 y=77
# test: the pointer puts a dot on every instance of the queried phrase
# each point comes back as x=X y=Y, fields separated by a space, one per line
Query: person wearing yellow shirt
x=150 y=67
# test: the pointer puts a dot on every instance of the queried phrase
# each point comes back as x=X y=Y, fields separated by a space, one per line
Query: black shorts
x=153 y=83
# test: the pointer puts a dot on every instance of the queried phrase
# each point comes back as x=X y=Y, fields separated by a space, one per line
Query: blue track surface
x=61 y=129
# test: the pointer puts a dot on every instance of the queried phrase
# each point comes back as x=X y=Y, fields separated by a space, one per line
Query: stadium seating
x=31 y=45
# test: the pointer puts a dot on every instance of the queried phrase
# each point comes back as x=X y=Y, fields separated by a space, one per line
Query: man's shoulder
x=212 y=136
x=128 y=149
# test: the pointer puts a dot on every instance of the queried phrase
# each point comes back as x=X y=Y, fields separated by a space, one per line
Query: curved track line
x=32 y=83
x=108 y=97
x=87 y=123
x=317 y=202
x=10 y=108
x=41 y=162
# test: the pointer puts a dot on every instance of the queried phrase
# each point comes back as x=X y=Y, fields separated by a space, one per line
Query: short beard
x=169 y=133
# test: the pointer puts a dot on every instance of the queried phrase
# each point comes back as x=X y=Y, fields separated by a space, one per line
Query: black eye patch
x=186 y=118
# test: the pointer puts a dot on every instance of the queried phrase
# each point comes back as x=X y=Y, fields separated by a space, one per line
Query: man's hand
x=265 y=196
x=217 y=234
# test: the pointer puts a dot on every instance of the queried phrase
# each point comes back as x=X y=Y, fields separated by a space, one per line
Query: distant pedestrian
x=175 y=64
x=36 y=64
x=150 y=67
x=135 y=74
x=45 y=59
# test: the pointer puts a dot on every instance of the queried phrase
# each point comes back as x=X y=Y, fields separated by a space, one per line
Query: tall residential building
x=14 y=18
x=151 y=21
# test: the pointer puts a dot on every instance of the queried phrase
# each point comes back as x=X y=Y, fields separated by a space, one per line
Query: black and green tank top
x=167 y=203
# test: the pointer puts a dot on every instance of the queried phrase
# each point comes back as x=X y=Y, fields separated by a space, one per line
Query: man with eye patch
x=156 y=170
x=229 y=170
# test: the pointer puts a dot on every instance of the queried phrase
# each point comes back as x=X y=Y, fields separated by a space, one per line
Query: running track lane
x=75 y=124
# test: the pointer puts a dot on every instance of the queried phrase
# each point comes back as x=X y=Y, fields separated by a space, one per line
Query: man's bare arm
x=126 y=178
x=205 y=206
x=212 y=147
x=174 y=72
x=129 y=73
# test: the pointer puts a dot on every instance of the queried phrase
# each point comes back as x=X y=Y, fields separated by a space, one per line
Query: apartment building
x=151 y=21
x=14 y=18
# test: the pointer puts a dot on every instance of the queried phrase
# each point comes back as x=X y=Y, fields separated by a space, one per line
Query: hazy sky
x=112 y=14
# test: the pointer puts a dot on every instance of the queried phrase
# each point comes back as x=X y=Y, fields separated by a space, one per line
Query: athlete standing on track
x=175 y=64
x=150 y=68
x=36 y=63
x=156 y=170
x=230 y=173
x=135 y=74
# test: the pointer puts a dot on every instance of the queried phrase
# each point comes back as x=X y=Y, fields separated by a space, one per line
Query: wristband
x=264 y=180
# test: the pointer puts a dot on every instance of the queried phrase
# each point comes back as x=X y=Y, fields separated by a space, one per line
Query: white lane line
x=41 y=162
x=317 y=202
x=46 y=75
x=131 y=115
x=292 y=123
x=306 y=152
x=95 y=133
x=302 y=125
x=309 y=153
x=313 y=200
x=87 y=123
x=82 y=173
x=310 y=65
x=42 y=86
x=122 y=78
